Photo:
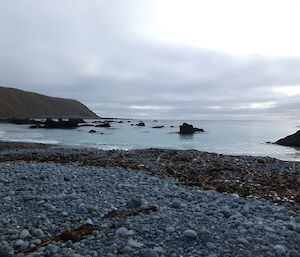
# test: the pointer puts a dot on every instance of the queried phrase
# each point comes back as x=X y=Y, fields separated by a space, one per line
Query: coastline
x=203 y=200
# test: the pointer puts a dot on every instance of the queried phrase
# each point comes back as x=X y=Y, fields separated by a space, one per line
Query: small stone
x=38 y=232
x=81 y=209
x=134 y=243
x=134 y=203
x=122 y=231
x=24 y=234
x=294 y=253
x=18 y=243
x=227 y=213
x=190 y=233
x=65 y=214
x=52 y=248
x=279 y=249
x=66 y=178
x=297 y=228
x=158 y=249
x=210 y=245
x=170 y=229
x=36 y=241
x=243 y=241
x=175 y=204
x=127 y=249
x=149 y=253
x=89 y=221
x=24 y=245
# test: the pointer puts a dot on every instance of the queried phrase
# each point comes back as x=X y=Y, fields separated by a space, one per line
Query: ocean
x=226 y=137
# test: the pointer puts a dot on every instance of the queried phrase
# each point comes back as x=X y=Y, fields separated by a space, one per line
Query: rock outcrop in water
x=61 y=124
x=18 y=104
x=188 y=129
x=291 y=140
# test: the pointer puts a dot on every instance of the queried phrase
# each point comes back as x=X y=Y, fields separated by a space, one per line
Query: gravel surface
x=261 y=177
x=40 y=200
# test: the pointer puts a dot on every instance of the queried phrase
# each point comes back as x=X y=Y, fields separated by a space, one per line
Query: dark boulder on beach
x=291 y=140
x=188 y=129
x=92 y=131
x=104 y=125
x=141 y=124
x=158 y=127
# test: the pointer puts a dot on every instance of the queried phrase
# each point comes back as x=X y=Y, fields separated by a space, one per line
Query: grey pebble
x=190 y=233
x=149 y=253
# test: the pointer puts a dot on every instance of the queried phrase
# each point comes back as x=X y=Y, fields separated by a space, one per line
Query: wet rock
x=190 y=233
x=134 y=203
x=188 y=129
x=92 y=131
x=141 y=124
x=291 y=140
x=149 y=253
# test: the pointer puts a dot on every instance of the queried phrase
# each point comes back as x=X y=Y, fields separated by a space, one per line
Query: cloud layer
x=98 y=53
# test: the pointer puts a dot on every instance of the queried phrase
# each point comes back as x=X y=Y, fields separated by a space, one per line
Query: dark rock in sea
x=120 y=121
x=188 y=129
x=172 y=126
x=87 y=125
x=92 y=131
x=291 y=140
x=141 y=124
x=158 y=127
x=77 y=120
x=63 y=124
x=104 y=125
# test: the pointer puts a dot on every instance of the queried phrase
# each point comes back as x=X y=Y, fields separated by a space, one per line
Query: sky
x=157 y=59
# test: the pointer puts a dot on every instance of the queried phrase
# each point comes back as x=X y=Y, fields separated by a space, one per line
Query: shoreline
x=147 y=203
x=248 y=176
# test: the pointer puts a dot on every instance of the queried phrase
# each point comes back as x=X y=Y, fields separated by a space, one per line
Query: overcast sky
x=163 y=59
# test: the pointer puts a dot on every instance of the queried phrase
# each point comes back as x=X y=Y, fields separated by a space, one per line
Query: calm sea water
x=228 y=137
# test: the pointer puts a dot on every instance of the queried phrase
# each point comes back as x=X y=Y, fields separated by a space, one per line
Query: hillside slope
x=15 y=103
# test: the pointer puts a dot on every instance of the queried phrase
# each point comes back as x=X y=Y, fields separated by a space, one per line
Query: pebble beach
x=146 y=203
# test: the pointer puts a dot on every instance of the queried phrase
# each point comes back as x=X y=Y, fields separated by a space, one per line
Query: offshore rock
x=291 y=140
x=188 y=129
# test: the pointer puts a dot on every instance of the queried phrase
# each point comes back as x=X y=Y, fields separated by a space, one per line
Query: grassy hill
x=15 y=103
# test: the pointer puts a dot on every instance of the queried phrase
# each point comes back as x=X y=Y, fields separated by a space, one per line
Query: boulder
x=141 y=124
x=291 y=140
x=188 y=129
x=92 y=131
x=63 y=124
x=158 y=127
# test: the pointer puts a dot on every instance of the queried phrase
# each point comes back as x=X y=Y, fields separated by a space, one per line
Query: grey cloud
x=94 y=52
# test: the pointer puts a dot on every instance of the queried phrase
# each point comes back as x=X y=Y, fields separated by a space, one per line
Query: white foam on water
x=42 y=141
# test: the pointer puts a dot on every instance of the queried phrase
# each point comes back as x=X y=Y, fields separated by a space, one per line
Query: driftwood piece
x=77 y=234
x=74 y=235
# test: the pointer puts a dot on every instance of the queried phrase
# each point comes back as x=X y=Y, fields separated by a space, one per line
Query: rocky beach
x=86 y=202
